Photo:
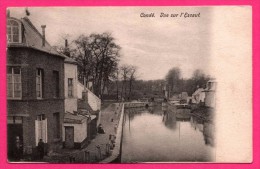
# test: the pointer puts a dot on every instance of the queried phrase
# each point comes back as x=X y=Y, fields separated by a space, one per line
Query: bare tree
x=125 y=70
x=132 y=72
x=173 y=79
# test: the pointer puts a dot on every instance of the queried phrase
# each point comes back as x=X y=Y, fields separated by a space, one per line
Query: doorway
x=69 y=137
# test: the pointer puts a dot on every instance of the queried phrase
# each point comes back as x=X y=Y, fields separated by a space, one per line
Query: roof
x=83 y=104
x=69 y=60
x=73 y=118
x=32 y=38
x=212 y=80
x=198 y=91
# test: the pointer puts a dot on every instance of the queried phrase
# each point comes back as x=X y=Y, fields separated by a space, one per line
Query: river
x=172 y=135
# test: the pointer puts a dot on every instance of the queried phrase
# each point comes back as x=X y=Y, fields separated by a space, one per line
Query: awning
x=74 y=118
x=19 y=114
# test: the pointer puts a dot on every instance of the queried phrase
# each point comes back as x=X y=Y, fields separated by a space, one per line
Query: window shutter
x=36 y=132
x=45 y=133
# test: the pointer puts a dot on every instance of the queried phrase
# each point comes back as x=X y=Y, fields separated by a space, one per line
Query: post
x=86 y=156
x=107 y=149
x=99 y=152
x=43 y=35
x=84 y=82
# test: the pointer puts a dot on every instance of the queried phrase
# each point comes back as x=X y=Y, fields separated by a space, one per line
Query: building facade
x=35 y=89
x=70 y=85
x=198 y=96
x=210 y=94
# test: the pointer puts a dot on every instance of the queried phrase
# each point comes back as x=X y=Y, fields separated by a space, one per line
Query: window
x=14 y=82
x=70 y=87
x=56 y=126
x=56 y=90
x=14 y=120
x=41 y=117
x=39 y=83
x=13 y=31
x=41 y=128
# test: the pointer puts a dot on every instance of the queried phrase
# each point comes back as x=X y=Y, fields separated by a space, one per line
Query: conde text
x=171 y=15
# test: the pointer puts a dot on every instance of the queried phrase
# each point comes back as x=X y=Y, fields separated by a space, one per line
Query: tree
x=97 y=56
x=132 y=72
x=173 y=79
x=199 y=78
x=125 y=70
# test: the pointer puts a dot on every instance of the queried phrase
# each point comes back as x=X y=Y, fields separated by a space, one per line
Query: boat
x=182 y=106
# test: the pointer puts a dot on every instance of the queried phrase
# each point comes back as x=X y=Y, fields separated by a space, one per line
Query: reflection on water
x=166 y=135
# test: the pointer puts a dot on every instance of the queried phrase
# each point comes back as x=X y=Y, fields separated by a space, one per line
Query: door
x=14 y=131
x=69 y=137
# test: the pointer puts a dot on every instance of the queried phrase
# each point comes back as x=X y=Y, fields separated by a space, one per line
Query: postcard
x=129 y=84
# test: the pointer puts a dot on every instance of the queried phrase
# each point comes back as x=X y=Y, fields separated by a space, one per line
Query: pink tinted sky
x=154 y=45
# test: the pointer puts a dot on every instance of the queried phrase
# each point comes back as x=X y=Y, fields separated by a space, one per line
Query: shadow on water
x=163 y=134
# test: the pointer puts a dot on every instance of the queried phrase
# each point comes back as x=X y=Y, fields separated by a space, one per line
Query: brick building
x=80 y=119
x=35 y=89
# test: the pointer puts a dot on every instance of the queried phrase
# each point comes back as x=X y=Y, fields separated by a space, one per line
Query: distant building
x=210 y=94
x=175 y=97
x=165 y=90
x=183 y=96
x=35 y=89
x=198 y=96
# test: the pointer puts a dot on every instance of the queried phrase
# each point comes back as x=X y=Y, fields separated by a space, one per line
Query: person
x=112 y=141
x=115 y=128
x=100 y=129
x=18 y=148
x=41 y=148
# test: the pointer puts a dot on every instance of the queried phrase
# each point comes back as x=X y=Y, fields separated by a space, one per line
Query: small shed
x=75 y=130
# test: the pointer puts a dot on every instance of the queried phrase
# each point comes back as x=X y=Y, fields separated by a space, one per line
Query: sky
x=153 y=44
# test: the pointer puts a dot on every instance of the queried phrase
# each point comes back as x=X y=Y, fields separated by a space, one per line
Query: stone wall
x=93 y=100
x=116 y=154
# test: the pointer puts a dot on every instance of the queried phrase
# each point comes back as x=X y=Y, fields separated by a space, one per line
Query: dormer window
x=14 y=31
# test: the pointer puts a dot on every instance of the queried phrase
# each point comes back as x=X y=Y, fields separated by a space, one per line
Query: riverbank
x=98 y=149
x=205 y=113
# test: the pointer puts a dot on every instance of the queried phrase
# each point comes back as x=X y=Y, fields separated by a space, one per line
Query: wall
x=136 y=104
x=93 y=100
x=29 y=60
x=70 y=103
x=34 y=108
x=116 y=153
x=210 y=100
x=198 y=96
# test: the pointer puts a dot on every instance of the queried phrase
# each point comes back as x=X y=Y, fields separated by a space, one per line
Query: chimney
x=85 y=95
x=43 y=35
x=66 y=51
x=8 y=13
x=66 y=43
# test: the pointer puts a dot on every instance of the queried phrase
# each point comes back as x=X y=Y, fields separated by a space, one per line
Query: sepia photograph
x=161 y=84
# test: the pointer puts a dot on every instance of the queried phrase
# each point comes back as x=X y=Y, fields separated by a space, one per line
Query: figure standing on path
x=41 y=148
x=99 y=152
x=115 y=128
x=18 y=148
x=100 y=129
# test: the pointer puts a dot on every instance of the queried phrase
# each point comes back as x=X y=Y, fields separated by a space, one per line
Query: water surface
x=158 y=135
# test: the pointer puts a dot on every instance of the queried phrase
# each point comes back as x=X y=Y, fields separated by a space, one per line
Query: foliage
x=97 y=56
